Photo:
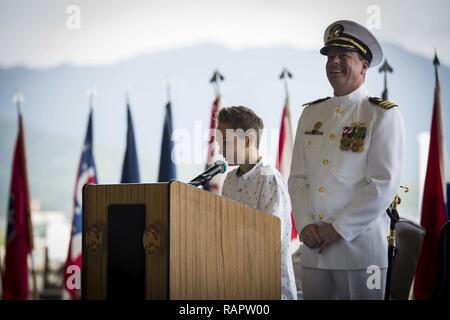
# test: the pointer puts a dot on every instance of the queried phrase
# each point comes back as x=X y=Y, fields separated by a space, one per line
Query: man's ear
x=365 y=66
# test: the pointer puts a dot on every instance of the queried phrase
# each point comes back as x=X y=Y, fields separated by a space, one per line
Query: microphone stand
x=392 y=249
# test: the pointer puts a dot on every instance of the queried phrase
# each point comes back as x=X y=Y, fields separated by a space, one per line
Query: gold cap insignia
x=336 y=31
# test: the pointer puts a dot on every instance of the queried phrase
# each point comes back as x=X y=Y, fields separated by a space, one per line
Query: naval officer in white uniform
x=345 y=172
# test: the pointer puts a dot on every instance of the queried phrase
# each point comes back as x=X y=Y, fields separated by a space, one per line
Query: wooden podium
x=175 y=241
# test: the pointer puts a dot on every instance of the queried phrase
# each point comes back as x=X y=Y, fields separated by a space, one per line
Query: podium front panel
x=125 y=241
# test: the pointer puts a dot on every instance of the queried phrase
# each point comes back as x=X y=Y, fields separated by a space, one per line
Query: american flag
x=86 y=174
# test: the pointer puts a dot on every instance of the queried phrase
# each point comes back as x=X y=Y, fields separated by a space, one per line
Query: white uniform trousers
x=324 y=284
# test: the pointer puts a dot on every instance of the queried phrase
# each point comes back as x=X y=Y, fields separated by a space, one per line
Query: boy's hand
x=311 y=237
x=327 y=232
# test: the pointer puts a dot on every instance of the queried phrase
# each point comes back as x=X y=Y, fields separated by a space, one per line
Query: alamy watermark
x=191 y=146
x=73 y=21
x=374 y=17
x=374 y=279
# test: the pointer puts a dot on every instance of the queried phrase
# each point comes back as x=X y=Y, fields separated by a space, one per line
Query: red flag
x=433 y=204
x=19 y=238
x=215 y=183
x=285 y=148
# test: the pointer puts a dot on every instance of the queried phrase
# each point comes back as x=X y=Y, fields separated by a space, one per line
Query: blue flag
x=130 y=170
x=167 y=169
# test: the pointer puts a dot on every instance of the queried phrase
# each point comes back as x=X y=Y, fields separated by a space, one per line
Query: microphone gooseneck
x=219 y=166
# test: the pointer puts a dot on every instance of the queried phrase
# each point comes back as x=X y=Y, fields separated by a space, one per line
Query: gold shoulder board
x=385 y=104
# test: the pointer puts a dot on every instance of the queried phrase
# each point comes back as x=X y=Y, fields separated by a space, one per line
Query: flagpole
x=436 y=64
x=385 y=68
x=215 y=184
x=285 y=76
x=216 y=80
x=33 y=276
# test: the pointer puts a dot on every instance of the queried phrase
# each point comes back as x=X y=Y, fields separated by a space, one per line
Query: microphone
x=219 y=166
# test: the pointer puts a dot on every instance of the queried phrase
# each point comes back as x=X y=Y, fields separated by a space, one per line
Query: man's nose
x=335 y=60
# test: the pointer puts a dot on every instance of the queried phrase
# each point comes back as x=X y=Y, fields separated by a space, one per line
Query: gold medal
x=358 y=135
x=345 y=144
x=357 y=145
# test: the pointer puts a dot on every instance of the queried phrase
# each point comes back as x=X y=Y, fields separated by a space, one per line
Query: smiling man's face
x=345 y=70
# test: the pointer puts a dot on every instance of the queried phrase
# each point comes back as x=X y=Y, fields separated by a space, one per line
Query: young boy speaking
x=254 y=183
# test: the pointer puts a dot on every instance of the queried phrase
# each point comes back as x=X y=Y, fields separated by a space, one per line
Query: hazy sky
x=35 y=32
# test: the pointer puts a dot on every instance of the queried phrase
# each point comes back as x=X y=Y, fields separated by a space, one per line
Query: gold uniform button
x=332 y=136
x=322 y=189
x=339 y=109
x=321 y=216
x=325 y=162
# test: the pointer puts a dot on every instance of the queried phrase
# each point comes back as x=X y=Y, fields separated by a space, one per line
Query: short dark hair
x=240 y=117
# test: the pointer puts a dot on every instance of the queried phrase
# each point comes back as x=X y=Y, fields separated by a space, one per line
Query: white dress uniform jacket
x=350 y=190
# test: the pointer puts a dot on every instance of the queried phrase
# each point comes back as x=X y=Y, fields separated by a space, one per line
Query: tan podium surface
x=175 y=241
